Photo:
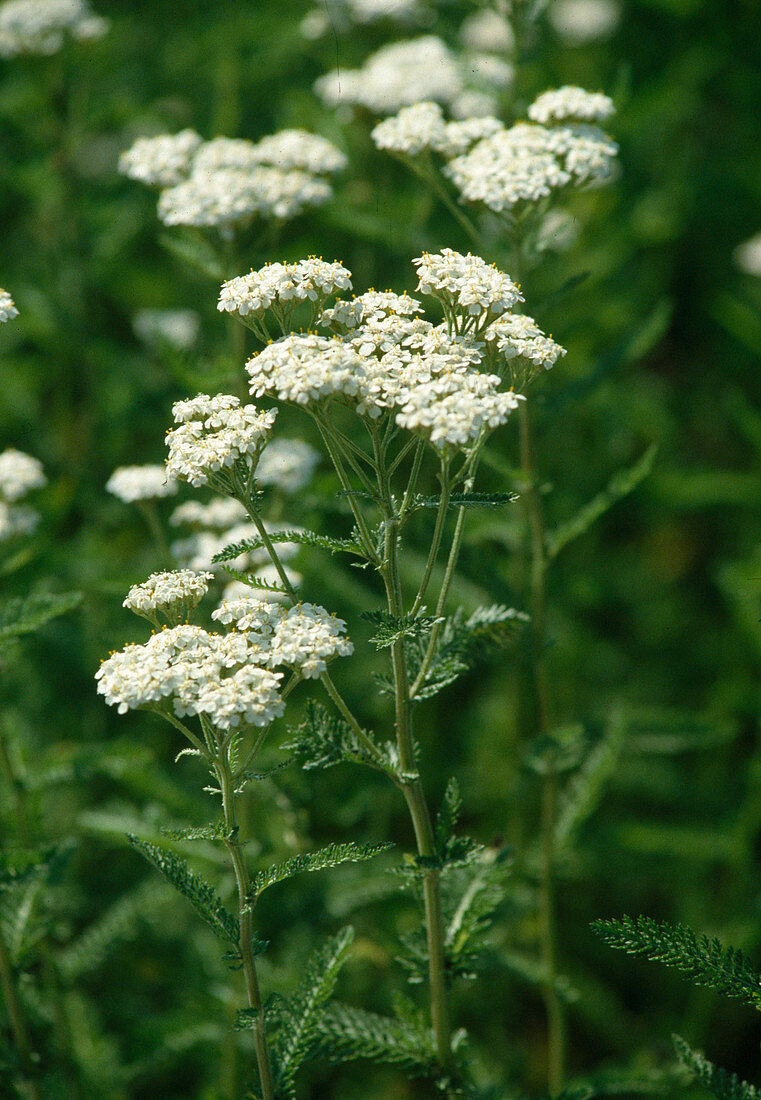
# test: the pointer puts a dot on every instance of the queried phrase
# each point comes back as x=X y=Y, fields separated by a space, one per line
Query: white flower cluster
x=306 y=369
x=422 y=126
x=283 y=284
x=466 y=284
x=747 y=256
x=149 y=482
x=41 y=26
x=160 y=161
x=214 y=433
x=383 y=356
x=173 y=595
x=7 y=307
x=407 y=72
x=580 y=21
x=19 y=475
x=453 y=410
x=220 y=513
x=176 y=327
x=569 y=102
x=303 y=637
x=528 y=162
x=200 y=673
x=515 y=335
x=228 y=181
x=487 y=31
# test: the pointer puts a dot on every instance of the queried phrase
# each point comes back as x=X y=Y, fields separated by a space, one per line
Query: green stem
x=431 y=178
x=153 y=523
x=245 y=916
x=413 y=791
x=335 y=456
x=556 y=1027
x=438 y=531
x=17 y=1022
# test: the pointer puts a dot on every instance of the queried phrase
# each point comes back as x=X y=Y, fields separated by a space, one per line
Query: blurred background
x=654 y=612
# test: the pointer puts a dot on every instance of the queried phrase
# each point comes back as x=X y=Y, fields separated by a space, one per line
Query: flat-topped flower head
x=580 y=21
x=230 y=196
x=572 y=104
x=7 y=307
x=514 y=336
x=307 y=369
x=415 y=128
x=19 y=474
x=149 y=482
x=458 y=137
x=160 y=161
x=467 y=285
x=368 y=307
x=171 y=596
x=304 y=637
x=313 y=279
x=397 y=76
x=454 y=411
x=288 y=149
x=196 y=673
x=215 y=434
x=42 y=26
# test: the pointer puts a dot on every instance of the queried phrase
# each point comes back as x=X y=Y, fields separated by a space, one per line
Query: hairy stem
x=548 y=938
x=245 y=916
x=438 y=531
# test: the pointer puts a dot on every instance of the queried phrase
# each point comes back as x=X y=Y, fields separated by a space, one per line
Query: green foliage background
x=654 y=611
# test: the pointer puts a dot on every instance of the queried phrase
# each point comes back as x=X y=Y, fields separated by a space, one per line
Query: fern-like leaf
x=705 y=961
x=200 y=895
x=26 y=614
x=302 y=538
x=323 y=740
x=390 y=628
x=586 y=788
x=345 y=1034
x=467 y=500
x=330 y=856
x=723 y=1085
x=300 y=1014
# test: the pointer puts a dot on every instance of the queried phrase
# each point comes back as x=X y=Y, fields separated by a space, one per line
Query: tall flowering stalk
x=397 y=399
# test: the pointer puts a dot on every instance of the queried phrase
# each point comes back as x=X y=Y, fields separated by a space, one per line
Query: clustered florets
x=172 y=595
x=279 y=284
x=383 y=356
x=403 y=73
x=226 y=182
x=133 y=483
x=7 y=307
x=41 y=26
x=20 y=473
x=215 y=433
x=501 y=166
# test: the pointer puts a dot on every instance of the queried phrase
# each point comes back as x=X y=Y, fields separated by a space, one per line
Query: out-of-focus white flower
x=160 y=161
x=288 y=149
x=7 y=307
x=173 y=595
x=580 y=21
x=215 y=433
x=412 y=130
x=41 y=26
x=131 y=483
x=312 y=279
x=19 y=474
x=16 y=520
x=288 y=464
x=747 y=256
x=569 y=102
x=558 y=231
x=487 y=31
x=178 y=327
x=219 y=513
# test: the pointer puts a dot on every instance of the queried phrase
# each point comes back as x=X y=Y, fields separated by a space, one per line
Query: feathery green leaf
x=330 y=856
x=723 y=1085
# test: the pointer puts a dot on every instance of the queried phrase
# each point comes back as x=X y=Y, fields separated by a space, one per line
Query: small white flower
x=487 y=31
x=19 y=474
x=230 y=197
x=454 y=410
x=177 y=327
x=16 y=520
x=289 y=149
x=515 y=334
x=288 y=464
x=312 y=279
x=306 y=369
x=747 y=255
x=368 y=307
x=131 y=483
x=581 y=21
x=412 y=130
x=219 y=513
x=7 y=307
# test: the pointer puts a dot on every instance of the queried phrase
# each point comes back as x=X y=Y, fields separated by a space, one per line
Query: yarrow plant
x=20 y=473
x=426 y=395
x=43 y=26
